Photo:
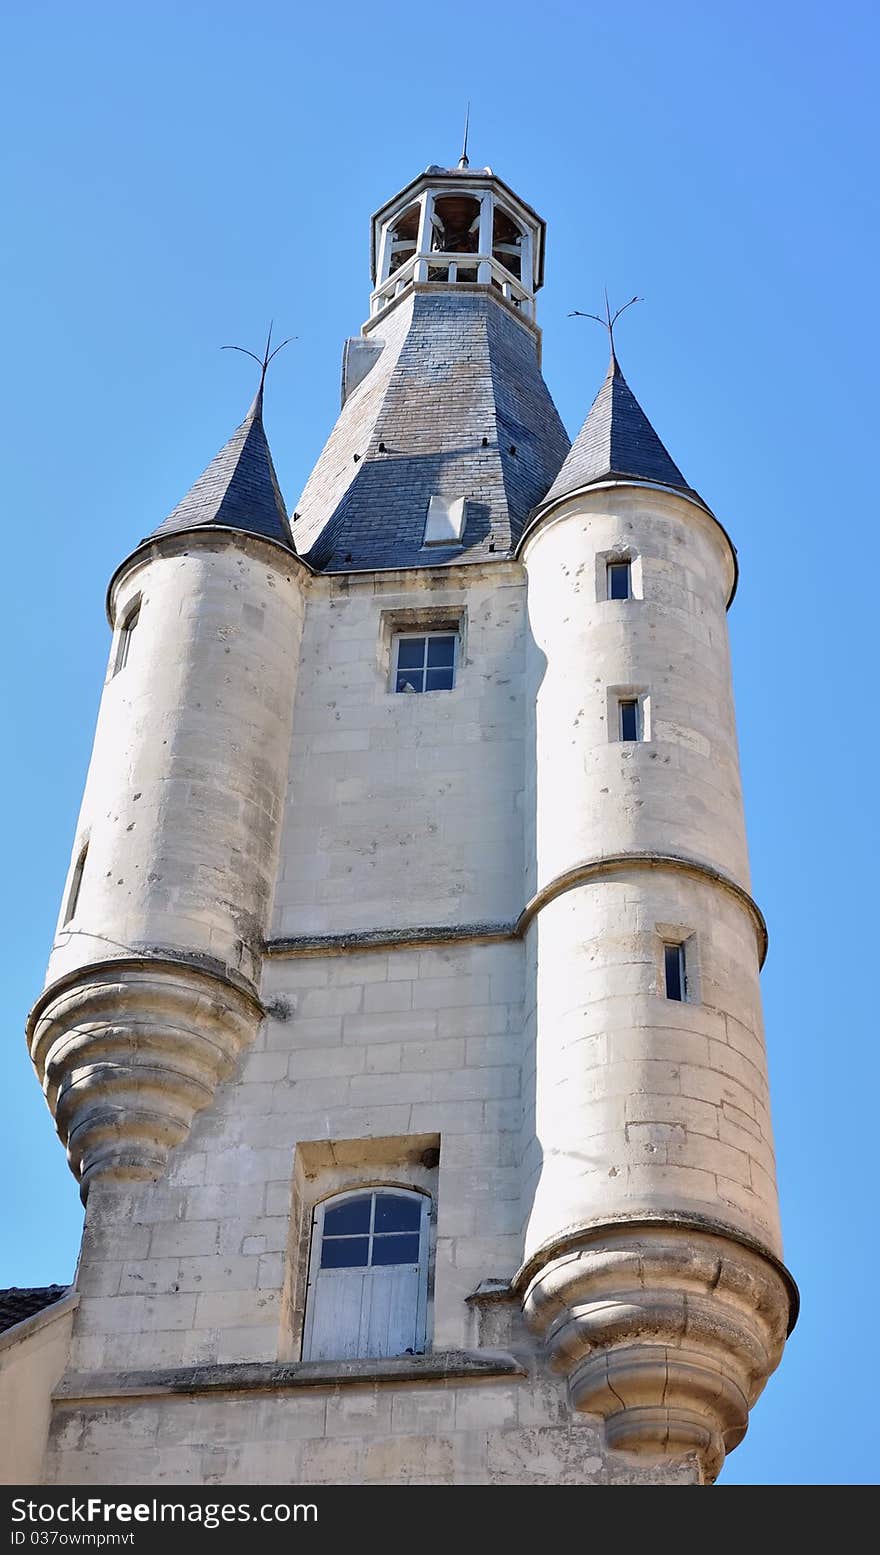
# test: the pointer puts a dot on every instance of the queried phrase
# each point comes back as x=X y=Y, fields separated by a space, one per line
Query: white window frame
x=400 y=637
x=312 y=1296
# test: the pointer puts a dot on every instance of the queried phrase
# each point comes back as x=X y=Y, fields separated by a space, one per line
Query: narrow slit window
x=126 y=632
x=675 y=972
x=629 y=718
x=619 y=580
x=426 y=662
x=75 y=885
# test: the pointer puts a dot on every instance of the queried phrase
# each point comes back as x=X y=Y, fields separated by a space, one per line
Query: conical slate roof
x=616 y=441
x=454 y=406
x=238 y=490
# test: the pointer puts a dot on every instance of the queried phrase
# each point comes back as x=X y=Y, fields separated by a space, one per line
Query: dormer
x=457 y=227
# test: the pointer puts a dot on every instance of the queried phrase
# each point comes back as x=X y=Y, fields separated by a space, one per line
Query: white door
x=368 y=1276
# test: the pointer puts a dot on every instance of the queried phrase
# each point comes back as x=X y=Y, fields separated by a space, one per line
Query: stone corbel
x=667 y=1332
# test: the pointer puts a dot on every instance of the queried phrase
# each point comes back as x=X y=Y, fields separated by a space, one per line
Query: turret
x=651 y=1262
x=152 y=984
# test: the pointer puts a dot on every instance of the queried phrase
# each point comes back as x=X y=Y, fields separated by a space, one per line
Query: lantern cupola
x=459 y=226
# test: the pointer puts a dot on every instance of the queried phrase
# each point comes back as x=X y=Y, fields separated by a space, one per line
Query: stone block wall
x=364 y=1047
x=406 y=810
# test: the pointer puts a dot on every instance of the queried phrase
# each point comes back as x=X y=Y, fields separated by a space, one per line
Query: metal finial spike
x=609 y=320
x=264 y=361
x=266 y=353
x=463 y=159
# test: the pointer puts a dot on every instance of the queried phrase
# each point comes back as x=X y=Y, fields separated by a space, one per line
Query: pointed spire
x=464 y=160
x=239 y=489
x=616 y=442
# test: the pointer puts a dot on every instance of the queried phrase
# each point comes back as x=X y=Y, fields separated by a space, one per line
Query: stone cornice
x=390 y=939
x=136 y=960
x=593 y=1230
x=281 y=1377
x=209 y=536
x=602 y=867
x=549 y=511
x=614 y=863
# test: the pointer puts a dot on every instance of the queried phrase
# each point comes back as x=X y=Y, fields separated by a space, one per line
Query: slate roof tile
x=238 y=490
x=616 y=441
x=20 y=1302
x=456 y=368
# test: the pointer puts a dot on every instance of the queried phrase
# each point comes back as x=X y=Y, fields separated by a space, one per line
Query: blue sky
x=175 y=174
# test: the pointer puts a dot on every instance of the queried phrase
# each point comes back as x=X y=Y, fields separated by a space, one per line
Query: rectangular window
x=674 y=969
x=425 y=662
x=619 y=580
x=629 y=718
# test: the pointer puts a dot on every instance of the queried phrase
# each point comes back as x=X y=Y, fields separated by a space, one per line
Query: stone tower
x=403 y=1020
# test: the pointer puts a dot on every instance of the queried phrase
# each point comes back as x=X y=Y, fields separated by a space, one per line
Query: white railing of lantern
x=424 y=267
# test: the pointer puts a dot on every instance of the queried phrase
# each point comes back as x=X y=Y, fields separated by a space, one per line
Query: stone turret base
x=667 y=1332
x=128 y=1052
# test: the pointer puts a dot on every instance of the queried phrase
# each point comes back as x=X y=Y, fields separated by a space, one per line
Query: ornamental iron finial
x=267 y=357
x=610 y=319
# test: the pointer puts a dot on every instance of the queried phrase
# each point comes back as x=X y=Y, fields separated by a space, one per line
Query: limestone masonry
x=403 y=1022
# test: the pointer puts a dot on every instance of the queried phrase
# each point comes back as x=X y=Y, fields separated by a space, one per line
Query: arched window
x=126 y=632
x=507 y=242
x=368 y=1275
x=455 y=224
x=403 y=238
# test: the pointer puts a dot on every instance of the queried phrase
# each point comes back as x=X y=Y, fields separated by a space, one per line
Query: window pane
x=674 y=959
x=439 y=680
x=394 y=1214
x=629 y=720
x=395 y=1249
x=410 y=653
x=349 y=1218
x=344 y=1252
x=410 y=680
x=618 y=580
x=441 y=650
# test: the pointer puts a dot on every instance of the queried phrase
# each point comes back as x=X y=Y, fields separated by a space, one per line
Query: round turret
x=152 y=983
x=652 y=1236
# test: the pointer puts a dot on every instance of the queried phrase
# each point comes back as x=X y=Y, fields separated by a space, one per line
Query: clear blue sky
x=175 y=174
